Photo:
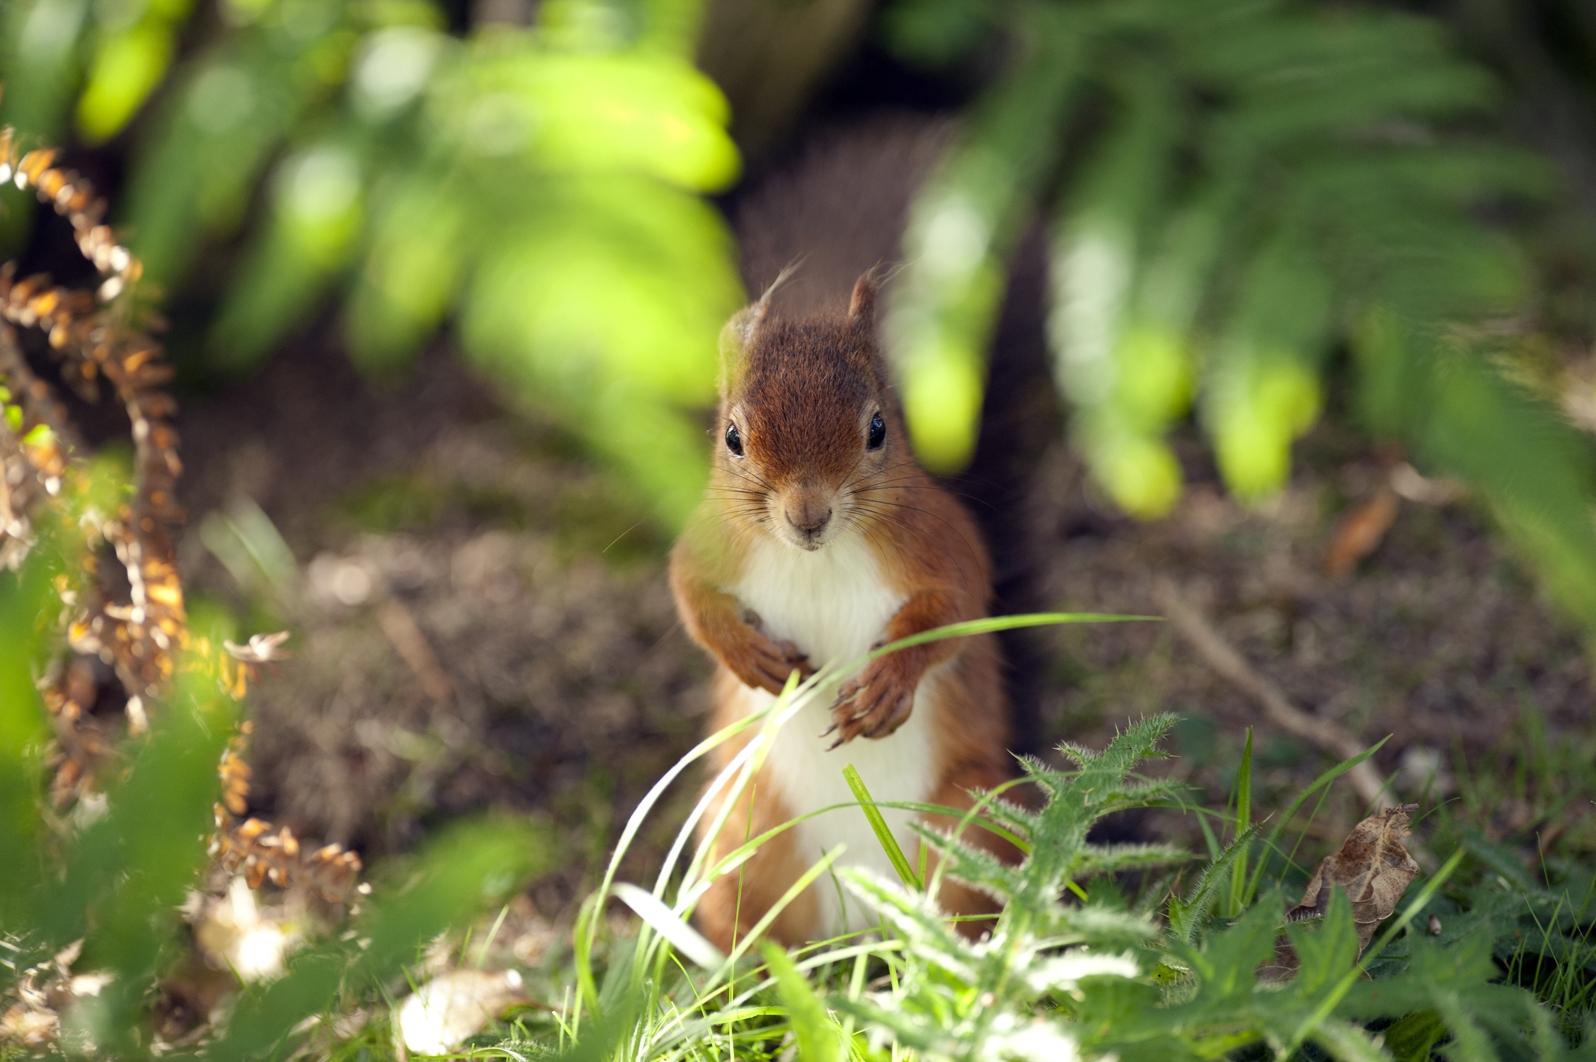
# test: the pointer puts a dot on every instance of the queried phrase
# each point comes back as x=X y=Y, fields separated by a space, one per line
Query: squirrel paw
x=764 y=662
x=873 y=703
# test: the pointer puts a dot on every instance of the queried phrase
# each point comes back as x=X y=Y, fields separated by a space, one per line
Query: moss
x=392 y=504
x=598 y=517
x=417 y=503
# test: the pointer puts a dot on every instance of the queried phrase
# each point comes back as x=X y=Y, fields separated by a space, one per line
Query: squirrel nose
x=809 y=522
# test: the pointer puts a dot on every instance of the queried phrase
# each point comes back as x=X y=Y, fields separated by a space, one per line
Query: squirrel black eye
x=878 y=432
x=734 y=440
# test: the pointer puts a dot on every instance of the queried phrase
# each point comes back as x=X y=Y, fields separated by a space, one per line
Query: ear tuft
x=735 y=338
x=862 y=305
x=738 y=334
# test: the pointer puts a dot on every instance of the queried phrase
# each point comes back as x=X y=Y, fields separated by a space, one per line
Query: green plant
x=538 y=186
x=1238 y=197
x=1080 y=963
x=103 y=888
x=121 y=784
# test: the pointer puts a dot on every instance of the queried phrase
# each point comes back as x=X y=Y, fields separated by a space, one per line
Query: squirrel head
x=810 y=437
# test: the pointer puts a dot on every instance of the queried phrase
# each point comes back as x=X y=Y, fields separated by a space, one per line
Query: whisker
x=750 y=476
x=893 y=487
x=878 y=509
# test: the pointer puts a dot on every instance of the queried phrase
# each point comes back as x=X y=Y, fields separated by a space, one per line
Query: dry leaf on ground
x=1372 y=866
x=235 y=932
x=1360 y=531
x=1374 y=869
x=447 y=1010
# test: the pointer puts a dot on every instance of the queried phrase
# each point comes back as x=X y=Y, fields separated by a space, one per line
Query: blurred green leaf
x=578 y=114
x=410 y=269
x=1251 y=183
x=583 y=292
x=39 y=42
x=313 y=223
x=1307 y=108
x=216 y=131
x=24 y=735
x=961 y=230
x=40 y=57
x=939 y=32
x=1112 y=370
x=609 y=301
x=816 y=1034
x=1264 y=379
x=1534 y=469
x=128 y=63
x=541 y=182
x=126 y=873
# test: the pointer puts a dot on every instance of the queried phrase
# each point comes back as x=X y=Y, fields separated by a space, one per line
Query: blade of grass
x=807 y=878
x=586 y=931
x=735 y=778
x=682 y=1028
x=1319 y=783
x=815 y=1034
x=994 y=624
x=684 y=938
x=1215 y=849
x=883 y=832
x=1243 y=820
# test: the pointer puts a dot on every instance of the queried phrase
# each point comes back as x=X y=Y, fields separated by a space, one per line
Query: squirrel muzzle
x=806 y=511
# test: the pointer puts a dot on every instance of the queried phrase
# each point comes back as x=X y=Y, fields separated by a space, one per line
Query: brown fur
x=801 y=394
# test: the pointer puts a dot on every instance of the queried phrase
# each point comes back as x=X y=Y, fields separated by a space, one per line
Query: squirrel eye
x=878 y=432
x=734 y=440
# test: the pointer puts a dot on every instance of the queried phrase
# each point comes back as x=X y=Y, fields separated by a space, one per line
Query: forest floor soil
x=480 y=619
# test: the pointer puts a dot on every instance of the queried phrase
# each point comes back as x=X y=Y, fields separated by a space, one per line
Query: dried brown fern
x=130 y=637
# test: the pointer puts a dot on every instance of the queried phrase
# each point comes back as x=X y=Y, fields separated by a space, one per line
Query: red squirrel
x=819 y=538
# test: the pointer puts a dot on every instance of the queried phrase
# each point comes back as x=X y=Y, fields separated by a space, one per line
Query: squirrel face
x=809 y=434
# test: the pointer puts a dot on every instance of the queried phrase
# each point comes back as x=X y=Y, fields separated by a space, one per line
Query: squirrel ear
x=739 y=331
x=862 y=305
x=738 y=334
x=735 y=338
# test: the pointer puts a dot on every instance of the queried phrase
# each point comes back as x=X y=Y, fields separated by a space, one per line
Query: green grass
x=1128 y=950
x=1129 y=965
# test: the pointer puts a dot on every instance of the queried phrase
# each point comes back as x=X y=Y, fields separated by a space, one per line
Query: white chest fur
x=834 y=604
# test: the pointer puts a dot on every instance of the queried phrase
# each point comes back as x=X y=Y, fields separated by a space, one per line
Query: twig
x=410 y=641
x=1231 y=666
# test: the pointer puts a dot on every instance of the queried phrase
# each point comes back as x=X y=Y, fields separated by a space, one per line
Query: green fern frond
x=1247 y=187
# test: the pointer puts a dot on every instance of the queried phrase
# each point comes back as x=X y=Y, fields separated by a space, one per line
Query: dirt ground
x=480 y=619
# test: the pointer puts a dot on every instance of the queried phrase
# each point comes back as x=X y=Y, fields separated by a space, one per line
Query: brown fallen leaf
x=454 y=1006
x=1360 y=532
x=1374 y=869
x=1372 y=866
